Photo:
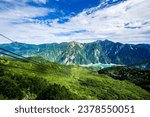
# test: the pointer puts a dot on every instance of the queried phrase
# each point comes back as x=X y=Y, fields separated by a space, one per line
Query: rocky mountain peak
x=74 y=44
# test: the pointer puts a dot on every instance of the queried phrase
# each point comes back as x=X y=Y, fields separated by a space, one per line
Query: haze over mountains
x=84 y=53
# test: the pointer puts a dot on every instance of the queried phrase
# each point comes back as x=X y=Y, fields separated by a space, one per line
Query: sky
x=50 y=21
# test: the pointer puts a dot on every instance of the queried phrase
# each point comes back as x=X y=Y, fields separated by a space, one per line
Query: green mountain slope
x=22 y=80
x=84 y=53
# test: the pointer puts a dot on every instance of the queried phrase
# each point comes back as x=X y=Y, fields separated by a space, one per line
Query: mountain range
x=84 y=53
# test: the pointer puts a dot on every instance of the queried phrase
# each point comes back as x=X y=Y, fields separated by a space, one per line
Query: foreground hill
x=84 y=53
x=24 y=80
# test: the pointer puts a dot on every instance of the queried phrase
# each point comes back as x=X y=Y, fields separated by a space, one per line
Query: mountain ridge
x=84 y=53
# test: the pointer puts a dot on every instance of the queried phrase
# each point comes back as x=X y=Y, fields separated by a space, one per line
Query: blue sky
x=48 y=21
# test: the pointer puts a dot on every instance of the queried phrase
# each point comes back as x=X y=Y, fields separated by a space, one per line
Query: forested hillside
x=25 y=80
x=140 y=77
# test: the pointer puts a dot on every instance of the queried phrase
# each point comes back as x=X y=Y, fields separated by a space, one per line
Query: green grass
x=55 y=81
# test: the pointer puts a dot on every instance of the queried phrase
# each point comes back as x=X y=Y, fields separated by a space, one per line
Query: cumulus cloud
x=127 y=22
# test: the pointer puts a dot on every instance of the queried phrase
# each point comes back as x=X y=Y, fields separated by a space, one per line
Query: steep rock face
x=84 y=53
x=73 y=54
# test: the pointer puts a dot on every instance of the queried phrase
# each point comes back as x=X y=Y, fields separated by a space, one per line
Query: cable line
x=7 y=38
x=20 y=56
x=10 y=55
x=41 y=68
x=32 y=61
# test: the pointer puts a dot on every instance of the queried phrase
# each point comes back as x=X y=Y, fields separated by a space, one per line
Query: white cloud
x=25 y=12
x=110 y=22
x=40 y=1
x=23 y=1
x=15 y=22
x=116 y=23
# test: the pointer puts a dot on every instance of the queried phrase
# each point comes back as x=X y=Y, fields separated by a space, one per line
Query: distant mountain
x=84 y=53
